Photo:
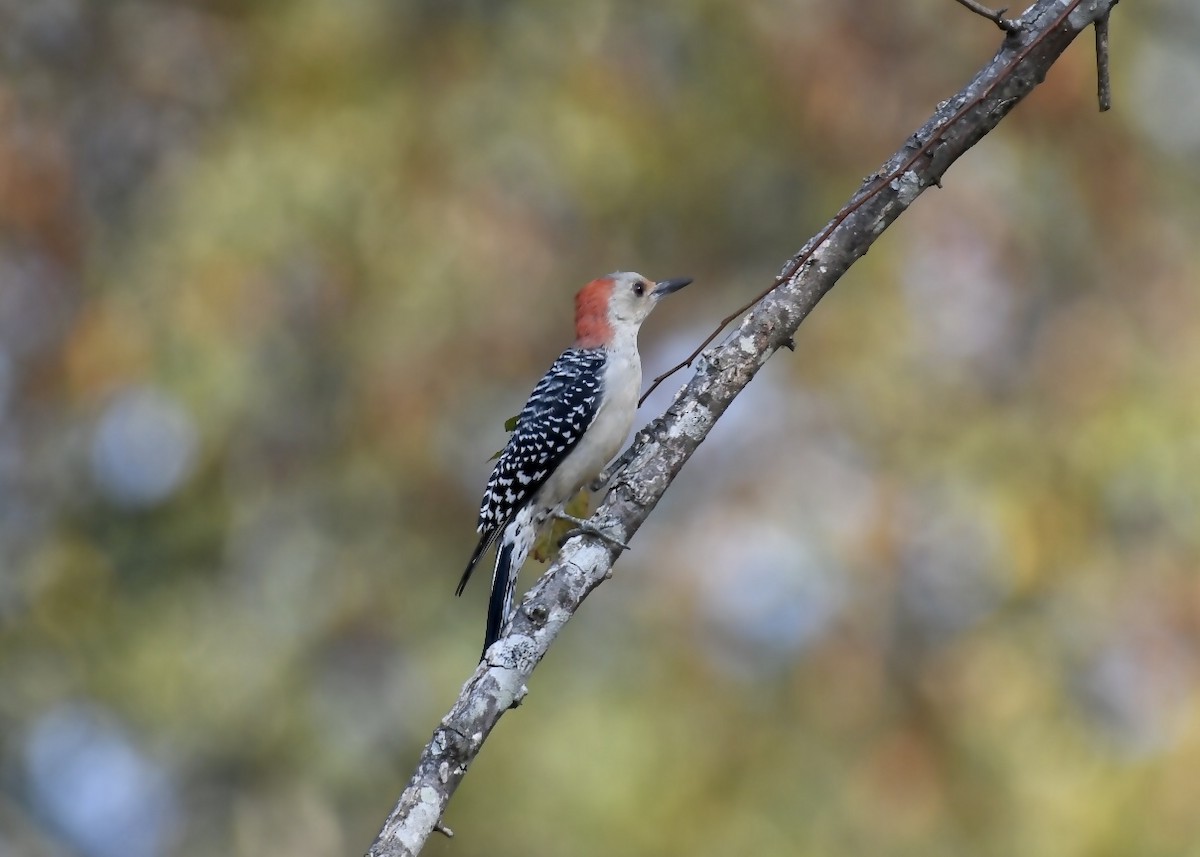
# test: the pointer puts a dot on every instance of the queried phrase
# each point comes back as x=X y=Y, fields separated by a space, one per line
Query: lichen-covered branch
x=723 y=371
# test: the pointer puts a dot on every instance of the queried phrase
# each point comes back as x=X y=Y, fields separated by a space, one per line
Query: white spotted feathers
x=558 y=412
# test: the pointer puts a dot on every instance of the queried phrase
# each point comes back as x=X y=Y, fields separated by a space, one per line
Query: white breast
x=607 y=433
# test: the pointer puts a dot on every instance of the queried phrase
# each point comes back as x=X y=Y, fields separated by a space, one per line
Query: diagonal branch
x=723 y=371
x=893 y=170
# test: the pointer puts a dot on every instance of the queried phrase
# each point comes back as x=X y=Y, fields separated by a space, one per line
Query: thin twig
x=995 y=16
x=1103 y=84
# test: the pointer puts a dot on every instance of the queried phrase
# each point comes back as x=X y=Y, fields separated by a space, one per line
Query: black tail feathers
x=499 y=605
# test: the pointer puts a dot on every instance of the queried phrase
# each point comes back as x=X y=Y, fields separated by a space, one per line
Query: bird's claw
x=585 y=528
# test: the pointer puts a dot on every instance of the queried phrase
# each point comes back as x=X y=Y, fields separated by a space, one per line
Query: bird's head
x=617 y=301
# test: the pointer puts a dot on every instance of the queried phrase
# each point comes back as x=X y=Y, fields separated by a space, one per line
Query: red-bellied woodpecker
x=575 y=421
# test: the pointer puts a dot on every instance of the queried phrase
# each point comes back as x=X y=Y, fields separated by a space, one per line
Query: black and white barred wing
x=558 y=412
x=549 y=427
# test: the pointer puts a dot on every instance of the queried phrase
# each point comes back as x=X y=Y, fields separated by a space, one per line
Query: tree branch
x=723 y=371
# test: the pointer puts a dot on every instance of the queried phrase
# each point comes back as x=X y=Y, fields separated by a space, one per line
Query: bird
x=573 y=424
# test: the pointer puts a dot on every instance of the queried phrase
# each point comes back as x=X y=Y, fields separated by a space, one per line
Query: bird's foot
x=583 y=527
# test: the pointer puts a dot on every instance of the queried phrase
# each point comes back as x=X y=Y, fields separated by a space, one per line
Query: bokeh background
x=274 y=274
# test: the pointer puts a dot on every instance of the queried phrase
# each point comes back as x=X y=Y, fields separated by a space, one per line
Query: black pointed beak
x=665 y=287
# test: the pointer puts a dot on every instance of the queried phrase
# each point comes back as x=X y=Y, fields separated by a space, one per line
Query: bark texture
x=721 y=372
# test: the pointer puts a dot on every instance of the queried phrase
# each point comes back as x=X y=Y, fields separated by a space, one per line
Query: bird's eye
x=639 y=288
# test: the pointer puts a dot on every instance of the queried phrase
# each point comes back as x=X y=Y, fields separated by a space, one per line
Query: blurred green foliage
x=273 y=275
